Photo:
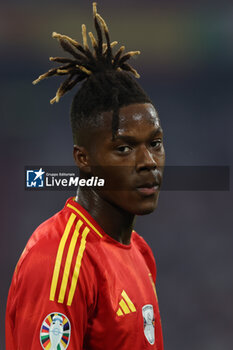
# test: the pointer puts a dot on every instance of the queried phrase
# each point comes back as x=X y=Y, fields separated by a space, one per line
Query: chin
x=145 y=211
x=147 y=206
x=144 y=208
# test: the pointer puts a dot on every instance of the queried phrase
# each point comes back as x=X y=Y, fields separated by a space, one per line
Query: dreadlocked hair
x=107 y=83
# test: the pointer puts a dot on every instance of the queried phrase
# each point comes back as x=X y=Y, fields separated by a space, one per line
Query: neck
x=117 y=223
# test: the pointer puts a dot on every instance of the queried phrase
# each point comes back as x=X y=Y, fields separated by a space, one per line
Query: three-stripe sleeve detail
x=85 y=219
x=68 y=262
x=71 y=259
x=59 y=256
x=77 y=265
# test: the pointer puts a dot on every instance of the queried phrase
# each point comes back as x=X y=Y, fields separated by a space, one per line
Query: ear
x=81 y=158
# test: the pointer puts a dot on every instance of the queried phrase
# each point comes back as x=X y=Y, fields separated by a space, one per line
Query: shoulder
x=60 y=248
x=55 y=274
x=146 y=251
x=65 y=228
x=45 y=239
x=60 y=255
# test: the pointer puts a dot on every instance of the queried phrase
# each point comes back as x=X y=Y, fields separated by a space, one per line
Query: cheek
x=116 y=177
x=161 y=156
x=99 y=155
x=130 y=201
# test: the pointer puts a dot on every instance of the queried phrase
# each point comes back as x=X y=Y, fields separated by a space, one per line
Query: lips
x=150 y=184
x=148 y=188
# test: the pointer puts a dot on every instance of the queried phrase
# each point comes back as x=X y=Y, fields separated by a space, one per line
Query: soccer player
x=86 y=279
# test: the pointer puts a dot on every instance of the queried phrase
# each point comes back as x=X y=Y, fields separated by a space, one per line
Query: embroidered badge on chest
x=55 y=332
x=149 y=323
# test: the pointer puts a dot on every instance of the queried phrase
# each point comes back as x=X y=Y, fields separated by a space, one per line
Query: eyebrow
x=129 y=138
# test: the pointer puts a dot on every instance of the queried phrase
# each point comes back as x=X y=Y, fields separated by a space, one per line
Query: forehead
x=134 y=115
x=137 y=115
x=138 y=121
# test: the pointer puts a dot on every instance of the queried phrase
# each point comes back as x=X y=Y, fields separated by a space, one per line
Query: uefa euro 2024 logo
x=55 y=332
x=35 y=178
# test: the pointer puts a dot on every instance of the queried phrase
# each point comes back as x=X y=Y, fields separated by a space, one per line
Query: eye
x=123 y=149
x=156 y=143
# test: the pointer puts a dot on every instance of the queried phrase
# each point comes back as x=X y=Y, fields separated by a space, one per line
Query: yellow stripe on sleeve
x=59 y=256
x=68 y=262
x=128 y=301
x=84 y=218
x=124 y=307
x=77 y=265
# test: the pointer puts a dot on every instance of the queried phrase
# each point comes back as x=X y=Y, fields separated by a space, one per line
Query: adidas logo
x=126 y=305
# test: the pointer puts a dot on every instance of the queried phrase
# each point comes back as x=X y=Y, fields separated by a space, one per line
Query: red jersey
x=77 y=288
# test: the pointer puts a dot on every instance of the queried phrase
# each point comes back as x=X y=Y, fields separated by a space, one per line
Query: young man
x=86 y=279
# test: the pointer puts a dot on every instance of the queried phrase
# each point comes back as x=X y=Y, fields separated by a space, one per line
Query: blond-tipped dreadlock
x=86 y=62
x=107 y=84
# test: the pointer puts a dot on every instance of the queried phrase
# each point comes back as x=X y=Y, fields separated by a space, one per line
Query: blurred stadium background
x=186 y=66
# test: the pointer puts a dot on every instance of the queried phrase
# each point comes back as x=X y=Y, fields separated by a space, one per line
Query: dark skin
x=131 y=163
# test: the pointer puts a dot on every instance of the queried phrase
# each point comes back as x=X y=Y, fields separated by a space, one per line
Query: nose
x=145 y=160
